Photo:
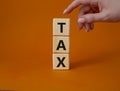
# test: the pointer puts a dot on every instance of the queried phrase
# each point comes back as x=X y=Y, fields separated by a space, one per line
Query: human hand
x=95 y=11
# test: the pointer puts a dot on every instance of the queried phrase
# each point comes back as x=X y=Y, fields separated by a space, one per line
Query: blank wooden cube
x=61 y=44
x=60 y=61
x=61 y=26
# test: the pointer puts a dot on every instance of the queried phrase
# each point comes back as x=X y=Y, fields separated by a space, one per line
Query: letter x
x=61 y=61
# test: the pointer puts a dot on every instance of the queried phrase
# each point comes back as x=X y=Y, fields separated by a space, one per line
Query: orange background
x=26 y=50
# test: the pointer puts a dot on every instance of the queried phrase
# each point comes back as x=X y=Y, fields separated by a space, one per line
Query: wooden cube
x=61 y=26
x=60 y=61
x=61 y=44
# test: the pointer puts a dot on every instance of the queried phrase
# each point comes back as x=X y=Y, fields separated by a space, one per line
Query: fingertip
x=91 y=26
x=80 y=26
x=65 y=11
x=87 y=27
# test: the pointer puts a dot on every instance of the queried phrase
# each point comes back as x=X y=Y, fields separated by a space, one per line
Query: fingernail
x=81 y=20
x=87 y=27
x=65 y=11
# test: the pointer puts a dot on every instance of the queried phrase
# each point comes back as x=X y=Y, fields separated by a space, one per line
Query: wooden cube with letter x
x=60 y=61
x=61 y=43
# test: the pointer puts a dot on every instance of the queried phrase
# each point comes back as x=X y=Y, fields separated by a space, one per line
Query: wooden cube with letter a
x=61 y=43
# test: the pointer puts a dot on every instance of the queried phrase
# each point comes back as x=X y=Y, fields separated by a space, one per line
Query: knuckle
x=90 y=18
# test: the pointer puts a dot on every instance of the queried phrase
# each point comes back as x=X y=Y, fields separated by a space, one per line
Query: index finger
x=75 y=4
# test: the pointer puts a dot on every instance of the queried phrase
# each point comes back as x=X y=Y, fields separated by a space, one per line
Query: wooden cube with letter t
x=61 y=43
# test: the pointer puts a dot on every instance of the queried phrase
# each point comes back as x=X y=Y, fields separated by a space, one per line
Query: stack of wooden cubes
x=61 y=43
